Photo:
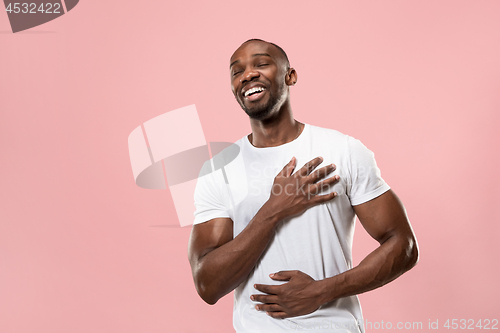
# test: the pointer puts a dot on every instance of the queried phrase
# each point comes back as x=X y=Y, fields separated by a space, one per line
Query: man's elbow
x=201 y=281
x=412 y=253
x=205 y=294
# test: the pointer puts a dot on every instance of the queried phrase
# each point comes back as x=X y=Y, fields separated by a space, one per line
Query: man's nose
x=249 y=74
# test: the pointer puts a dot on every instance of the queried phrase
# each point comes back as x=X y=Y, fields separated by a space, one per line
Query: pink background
x=83 y=249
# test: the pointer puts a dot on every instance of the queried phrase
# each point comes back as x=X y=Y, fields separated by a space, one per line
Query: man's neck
x=275 y=132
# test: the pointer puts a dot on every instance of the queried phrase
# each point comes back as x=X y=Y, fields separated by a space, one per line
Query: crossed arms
x=220 y=262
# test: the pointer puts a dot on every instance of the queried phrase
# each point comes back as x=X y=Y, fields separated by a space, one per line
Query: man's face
x=258 y=72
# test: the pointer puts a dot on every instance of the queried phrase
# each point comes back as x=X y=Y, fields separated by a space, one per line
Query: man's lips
x=252 y=88
x=255 y=96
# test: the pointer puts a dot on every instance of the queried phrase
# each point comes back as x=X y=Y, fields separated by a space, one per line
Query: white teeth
x=253 y=90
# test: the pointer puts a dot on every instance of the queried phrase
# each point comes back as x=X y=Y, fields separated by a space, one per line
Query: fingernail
x=252 y=298
x=271 y=275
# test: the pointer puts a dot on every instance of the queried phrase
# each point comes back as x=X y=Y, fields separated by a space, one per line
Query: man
x=277 y=228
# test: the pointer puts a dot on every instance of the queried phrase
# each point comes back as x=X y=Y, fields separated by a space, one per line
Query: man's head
x=260 y=77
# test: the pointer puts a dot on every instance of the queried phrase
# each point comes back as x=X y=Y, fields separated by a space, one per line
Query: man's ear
x=291 y=77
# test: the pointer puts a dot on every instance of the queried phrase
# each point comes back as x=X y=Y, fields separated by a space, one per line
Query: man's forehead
x=255 y=47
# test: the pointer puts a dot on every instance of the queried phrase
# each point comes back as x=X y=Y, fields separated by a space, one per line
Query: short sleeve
x=365 y=181
x=209 y=197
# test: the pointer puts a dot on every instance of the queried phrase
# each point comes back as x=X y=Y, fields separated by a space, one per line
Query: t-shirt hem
x=205 y=218
x=369 y=196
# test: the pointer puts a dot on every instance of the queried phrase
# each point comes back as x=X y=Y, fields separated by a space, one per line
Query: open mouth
x=254 y=93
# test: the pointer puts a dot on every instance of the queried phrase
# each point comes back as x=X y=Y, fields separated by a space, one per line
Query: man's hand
x=213 y=250
x=299 y=296
x=293 y=194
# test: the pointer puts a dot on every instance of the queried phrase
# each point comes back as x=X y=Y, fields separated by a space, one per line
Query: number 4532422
x=31 y=8
x=471 y=324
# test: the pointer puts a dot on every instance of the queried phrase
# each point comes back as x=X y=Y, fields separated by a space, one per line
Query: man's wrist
x=270 y=214
x=327 y=289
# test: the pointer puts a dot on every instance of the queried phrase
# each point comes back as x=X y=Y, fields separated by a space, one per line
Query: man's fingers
x=322 y=173
x=324 y=185
x=265 y=288
x=278 y=315
x=310 y=166
x=323 y=198
x=282 y=275
x=269 y=307
x=266 y=299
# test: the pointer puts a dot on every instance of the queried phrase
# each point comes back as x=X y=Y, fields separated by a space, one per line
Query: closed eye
x=262 y=65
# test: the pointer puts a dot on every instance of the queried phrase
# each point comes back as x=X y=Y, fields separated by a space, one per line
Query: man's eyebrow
x=261 y=54
x=234 y=62
x=253 y=55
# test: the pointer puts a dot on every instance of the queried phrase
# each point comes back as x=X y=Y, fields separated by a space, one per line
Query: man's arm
x=384 y=218
x=220 y=263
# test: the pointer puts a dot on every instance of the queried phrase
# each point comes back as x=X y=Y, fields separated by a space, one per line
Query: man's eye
x=262 y=65
x=236 y=73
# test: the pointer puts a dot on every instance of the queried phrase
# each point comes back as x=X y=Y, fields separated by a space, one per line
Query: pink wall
x=83 y=249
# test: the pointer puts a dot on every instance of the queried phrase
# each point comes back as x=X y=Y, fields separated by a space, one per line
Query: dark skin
x=220 y=262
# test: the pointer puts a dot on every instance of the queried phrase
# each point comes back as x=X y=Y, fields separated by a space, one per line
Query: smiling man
x=276 y=225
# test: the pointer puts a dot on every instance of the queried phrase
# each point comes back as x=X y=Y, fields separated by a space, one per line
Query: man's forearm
x=392 y=258
x=221 y=270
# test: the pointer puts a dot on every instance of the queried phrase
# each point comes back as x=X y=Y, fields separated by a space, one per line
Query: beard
x=260 y=112
x=263 y=110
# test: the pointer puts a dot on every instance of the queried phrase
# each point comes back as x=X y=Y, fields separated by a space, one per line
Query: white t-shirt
x=317 y=242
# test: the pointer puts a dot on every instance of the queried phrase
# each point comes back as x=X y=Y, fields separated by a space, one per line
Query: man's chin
x=258 y=113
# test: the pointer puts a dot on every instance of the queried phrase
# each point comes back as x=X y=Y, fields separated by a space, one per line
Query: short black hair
x=276 y=46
